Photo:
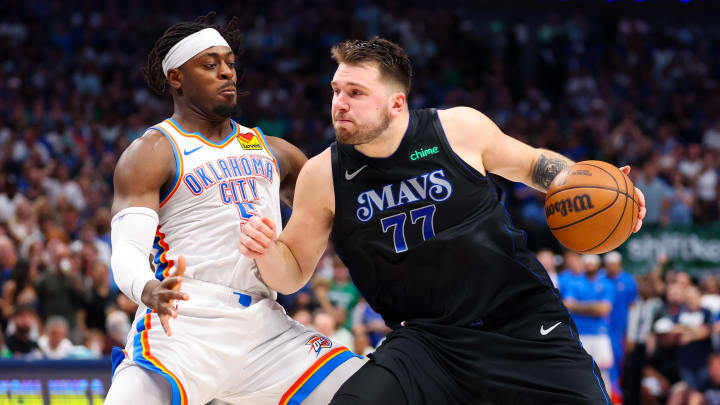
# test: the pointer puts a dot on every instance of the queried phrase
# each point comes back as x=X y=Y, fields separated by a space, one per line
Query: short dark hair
x=390 y=57
x=153 y=73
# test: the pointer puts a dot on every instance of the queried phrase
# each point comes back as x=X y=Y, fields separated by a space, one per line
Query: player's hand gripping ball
x=592 y=207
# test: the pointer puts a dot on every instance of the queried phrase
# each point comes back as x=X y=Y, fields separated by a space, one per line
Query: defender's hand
x=640 y=200
x=256 y=236
x=159 y=295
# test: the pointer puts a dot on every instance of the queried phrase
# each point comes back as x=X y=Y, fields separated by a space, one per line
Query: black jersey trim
x=335 y=165
x=470 y=171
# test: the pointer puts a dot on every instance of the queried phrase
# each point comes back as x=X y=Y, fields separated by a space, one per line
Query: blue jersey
x=585 y=290
x=565 y=279
x=624 y=294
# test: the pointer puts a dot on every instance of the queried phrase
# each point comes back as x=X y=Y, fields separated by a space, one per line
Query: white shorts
x=600 y=348
x=232 y=346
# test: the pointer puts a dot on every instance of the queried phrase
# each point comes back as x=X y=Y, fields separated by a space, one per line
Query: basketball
x=591 y=207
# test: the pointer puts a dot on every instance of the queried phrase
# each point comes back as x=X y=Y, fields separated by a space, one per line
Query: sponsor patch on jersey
x=317 y=343
x=249 y=141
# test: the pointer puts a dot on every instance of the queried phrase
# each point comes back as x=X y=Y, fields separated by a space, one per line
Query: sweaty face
x=210 y=81
x=360 y=104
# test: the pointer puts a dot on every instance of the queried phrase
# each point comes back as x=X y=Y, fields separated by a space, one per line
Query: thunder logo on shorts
x=317 y=343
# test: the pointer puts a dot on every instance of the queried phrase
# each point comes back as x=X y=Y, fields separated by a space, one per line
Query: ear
x=174 y=77
x=398 y=103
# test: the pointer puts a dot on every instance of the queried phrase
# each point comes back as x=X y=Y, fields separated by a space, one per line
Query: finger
x=165 y=322
x=168 y=295
x=270 y=224
x=181 y=264
x=247 y=252
x=253 y=244
x=171 y=283
x=641 y=197
x=264 y=225
x=638 y=226
x=258 y=235
x=625 y=169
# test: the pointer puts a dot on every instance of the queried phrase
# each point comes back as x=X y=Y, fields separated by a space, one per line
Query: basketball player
x=184 y=189
x=429 y=244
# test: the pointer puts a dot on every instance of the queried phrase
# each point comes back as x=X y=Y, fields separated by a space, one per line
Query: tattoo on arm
x=545 y=170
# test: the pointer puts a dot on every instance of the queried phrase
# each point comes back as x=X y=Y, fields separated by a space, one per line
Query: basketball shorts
x=525 y=352
x=232 y=346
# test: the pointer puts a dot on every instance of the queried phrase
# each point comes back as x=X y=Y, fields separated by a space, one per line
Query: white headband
x=190 y=46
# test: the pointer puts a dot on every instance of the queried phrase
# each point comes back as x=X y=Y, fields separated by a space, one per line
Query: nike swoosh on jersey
x=350 y=176
x=187 y=152
x=544 y=331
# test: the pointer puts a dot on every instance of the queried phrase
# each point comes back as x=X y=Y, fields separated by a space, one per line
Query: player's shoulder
x=465 y=122
x=320 y=163
x=153 y=148
x=462 y=114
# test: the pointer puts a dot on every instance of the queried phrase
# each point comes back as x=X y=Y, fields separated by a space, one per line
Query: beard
x=226 y=110
x=364 y=133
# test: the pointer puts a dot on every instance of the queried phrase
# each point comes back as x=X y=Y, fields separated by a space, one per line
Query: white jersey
x=217 y=188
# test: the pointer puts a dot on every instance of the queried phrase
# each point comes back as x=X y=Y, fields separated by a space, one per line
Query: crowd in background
x=638 y=90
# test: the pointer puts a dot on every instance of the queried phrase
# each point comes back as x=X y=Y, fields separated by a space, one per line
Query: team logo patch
x=317 y=343
x=249 y=141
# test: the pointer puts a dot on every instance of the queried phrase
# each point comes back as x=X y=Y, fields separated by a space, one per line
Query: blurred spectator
x=20 y=342
x=709 y=393
x=60 y=288
x=8 y=258
x=710 y=288
x=369 y=322
x=19 y=289
x=624 y=294
x=117 y=325
x=693 y=324
x=95 y=342
x=97 y=299
x=574 y=271
x=589 y=299
x=303 y=316
x=681 y=203
x=54 y=343
x=707 y=184
x=661 y=370
x=657 y=193
x=326 y=325
x=339 y=296
x=5 y=353
x=711 y=138
x=546 y=257
x=641 y=316
x=691 y=166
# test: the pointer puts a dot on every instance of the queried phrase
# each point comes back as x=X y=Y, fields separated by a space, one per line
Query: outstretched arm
x=287 y=263
x=480 y=143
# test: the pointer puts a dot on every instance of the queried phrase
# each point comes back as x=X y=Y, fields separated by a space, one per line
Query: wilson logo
x=563 y=207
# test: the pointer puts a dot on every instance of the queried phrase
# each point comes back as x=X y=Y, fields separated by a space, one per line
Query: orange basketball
x=591 y=207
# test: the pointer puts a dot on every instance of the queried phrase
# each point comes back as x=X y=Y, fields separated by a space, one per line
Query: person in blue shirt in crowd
x=574 y=270
x=625 y=292
x=589 y=298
